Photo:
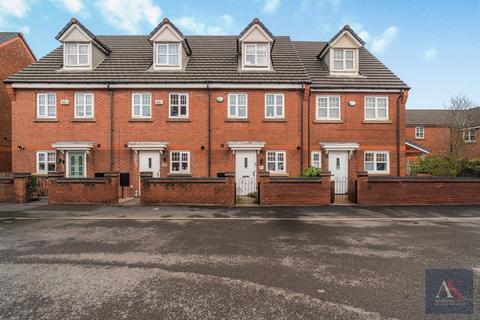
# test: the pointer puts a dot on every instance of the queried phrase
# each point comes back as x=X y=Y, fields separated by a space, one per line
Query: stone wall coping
x=6 y=180
x=187 y=180
x=21 y=174
x=83 y=180
x=428 y=179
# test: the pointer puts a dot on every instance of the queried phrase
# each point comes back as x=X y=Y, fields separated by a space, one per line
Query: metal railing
x=246 y=191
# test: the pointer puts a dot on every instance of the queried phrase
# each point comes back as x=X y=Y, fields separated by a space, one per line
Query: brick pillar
x=144 y=176
x=362 y=184
x=230 y=186
x=326 y=180
x=114 y=181
x=262 y=180
x=20 y=185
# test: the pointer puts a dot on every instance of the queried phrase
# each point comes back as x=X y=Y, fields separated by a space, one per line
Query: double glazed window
x=180 y=162
x=316 y=160
x=274 y=106
x=328 y=108
x=276 y=161
x=343 y=60
x=141 y=105
x=376 y=108
x=78 y=54
x=256 y=55
x=46 y=162
x=83 y=105
x=377 y=162
x=237 y=105
x=178 y=105
x=168 y=54
x=47 y=105
x=470 y=135
x=419 y=132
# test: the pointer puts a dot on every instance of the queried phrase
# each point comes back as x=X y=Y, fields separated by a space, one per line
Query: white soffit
x=339 y=146
x=246 y=145
x=73 y=145
x=148 y=145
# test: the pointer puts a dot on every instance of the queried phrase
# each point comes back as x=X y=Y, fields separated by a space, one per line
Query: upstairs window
x=77 y=54
x=274 y=106
x=470 y=135
x=276 y=161
x=168 y=54
x=343 y=60
x=141 y=105
x=83 y=105
x=178 y=105
x=47 y=105
x=376 y=108
x=419 y=132
x=237 y=105
x=377 y=162
x=46 y=162
x=256 y=55
x=328 y=108
x=180 y=162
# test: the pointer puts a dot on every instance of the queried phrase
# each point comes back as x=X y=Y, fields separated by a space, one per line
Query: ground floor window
x=180 y=162
x=469 y=135
x=377 y=162
x=76 y=164
x=316 y=160
x=46 y=162
x=276 y=161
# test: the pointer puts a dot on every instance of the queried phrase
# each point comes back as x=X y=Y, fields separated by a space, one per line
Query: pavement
x=347 y=262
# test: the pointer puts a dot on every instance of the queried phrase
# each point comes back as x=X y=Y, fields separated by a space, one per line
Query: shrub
x=470 y=168
x=311 y=172
x=436 y=166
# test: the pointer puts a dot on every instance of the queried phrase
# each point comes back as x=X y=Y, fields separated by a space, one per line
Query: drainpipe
x=308 y=126
x=302 y=94
x=209 y=129
x=111 y=127
x=399 y=100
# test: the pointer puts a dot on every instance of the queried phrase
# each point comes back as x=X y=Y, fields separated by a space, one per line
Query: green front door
x=76 y=164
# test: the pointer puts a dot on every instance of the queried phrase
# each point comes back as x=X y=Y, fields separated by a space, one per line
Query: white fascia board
x=20 y=85
x=356 y=90
x=157 y=85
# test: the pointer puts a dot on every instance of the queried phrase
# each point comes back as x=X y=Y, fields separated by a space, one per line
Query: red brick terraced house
x=15 y=54
x=177 y=105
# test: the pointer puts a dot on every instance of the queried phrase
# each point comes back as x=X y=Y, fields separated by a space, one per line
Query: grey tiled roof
x=5 y=36
x=426 y=117
x=213 y=58
x=373 y=73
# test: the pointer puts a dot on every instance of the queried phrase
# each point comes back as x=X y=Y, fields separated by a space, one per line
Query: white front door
x=150 y=162
x=338 y=167
x=246 y=172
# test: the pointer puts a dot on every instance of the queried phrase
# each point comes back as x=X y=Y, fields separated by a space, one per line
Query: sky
x=431 y=45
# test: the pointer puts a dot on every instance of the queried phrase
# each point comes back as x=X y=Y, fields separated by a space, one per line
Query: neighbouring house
x=176 y=105
x=15 y=54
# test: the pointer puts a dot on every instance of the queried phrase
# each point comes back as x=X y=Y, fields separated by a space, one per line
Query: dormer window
x=343 y=59
x=77 y=54
x=256 y=54
x=168 y=54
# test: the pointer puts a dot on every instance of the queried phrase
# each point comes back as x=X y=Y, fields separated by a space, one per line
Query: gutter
x=399 y=101
x=209 y=129
x=111 y=127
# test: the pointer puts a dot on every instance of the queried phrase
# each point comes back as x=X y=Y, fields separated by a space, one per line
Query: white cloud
x=380 y=43
x=73 y=6
x=25 y=29
x=271 y=6
x=128 y=15
x=193 y=26
x=430 y=54
x=16 y=8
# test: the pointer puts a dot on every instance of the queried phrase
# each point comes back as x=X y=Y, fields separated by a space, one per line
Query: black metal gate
x=246 y=191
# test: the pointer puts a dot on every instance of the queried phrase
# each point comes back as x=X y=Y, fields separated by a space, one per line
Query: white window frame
x=256 y=54
x=237 y=105
x=276 y=161
x=344 y=59
x=84 y=106
x=46 y=162
x=468 y=134
x=180 y=152
x=275 y=114
x=376 y=108
x=168 y=55
x=313 y=162
x=180 y=116
x=46 y=116
x=141 y=115
x=420 y=132
x=375 y=162
x=77 y=54
x=329 y=107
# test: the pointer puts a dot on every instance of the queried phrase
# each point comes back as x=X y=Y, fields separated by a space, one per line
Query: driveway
x=343 y=267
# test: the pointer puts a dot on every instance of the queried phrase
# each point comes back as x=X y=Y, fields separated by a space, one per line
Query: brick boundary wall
x=187 y=191
x=14 y=189
x=7 y=190
x=276 y=191
x=417 y=190
x=84 y=190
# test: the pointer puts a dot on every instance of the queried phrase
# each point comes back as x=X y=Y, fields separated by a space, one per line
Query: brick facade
x=14 y=56
x=435 y=138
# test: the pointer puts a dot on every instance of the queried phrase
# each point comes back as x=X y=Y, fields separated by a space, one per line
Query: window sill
x=45 y=120
x=274 y=120
x=377 y=121
x=178 y=120
x=140 y=120
x=83 y=120
x=236 y=120
x=328 y=121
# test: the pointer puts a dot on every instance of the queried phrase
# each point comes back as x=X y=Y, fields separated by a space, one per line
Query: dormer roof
x=345 y=30
x=166 y=23
x=256 y=23
x=74 y=23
